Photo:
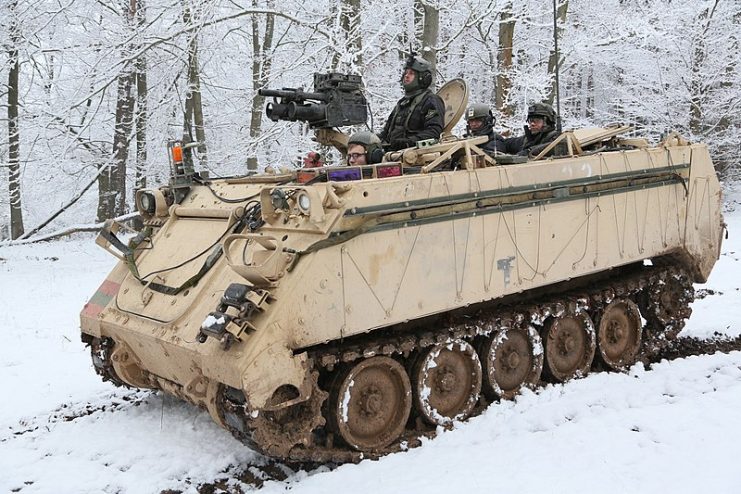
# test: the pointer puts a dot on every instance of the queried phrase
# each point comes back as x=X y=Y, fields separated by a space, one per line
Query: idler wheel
x=667 y=305
x=569 y=344
x=446 y=380
x=370 y=403
x=512 y=360
x=619 y=334
x=275 y=433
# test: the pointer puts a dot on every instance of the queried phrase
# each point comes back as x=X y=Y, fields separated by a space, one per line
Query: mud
x=688 y=347
x=254 y=476
x=69 y=412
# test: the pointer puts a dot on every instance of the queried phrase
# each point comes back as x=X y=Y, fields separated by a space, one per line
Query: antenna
x=558 y=64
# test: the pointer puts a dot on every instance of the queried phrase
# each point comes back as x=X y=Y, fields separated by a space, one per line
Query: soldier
x=420 y=114
x=313 y=160
x=480 y=122
x=539 y=131
x=364 y=148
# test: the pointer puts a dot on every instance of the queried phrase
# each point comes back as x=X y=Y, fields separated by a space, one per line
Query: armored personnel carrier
x=337 y=313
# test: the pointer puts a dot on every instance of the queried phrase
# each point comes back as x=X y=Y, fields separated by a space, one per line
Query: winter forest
x=92 y=90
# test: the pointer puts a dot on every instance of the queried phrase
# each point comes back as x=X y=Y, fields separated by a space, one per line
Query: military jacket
x=416 y=117
x=533 y=144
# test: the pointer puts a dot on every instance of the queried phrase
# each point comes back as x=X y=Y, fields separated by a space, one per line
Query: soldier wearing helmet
x=480 y=122
x=420 y=114
x=540 y=129
x=364 y=148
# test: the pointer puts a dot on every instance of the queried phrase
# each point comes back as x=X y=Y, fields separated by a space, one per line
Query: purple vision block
x=344 y=174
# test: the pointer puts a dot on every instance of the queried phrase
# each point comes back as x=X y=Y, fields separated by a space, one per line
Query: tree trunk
x=193 y=104
x=14 y=138
x=698 y=86
x=349 y=11
x=112 y=182
x=504 y=60
x=419 y=20
x=142 y=110
x=427 y=29
x=261 y=65
x=553 y=61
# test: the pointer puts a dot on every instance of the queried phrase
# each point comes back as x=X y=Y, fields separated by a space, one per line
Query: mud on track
x=687 y=347
x=237 y=477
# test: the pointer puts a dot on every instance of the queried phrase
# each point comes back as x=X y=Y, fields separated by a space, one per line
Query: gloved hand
x=401 y=143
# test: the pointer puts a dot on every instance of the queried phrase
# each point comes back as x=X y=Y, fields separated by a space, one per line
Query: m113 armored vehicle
x=337 y=313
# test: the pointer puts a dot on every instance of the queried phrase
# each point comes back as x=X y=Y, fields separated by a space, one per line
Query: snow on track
x=672 y=429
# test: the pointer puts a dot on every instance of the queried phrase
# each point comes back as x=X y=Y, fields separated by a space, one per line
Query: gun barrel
x=292 y=94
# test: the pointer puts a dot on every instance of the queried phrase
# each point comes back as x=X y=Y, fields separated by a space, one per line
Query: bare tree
x=261 y=65
x=193 y=104
x=698 y=86
x=112 y=182
x=142 y=109
x=504 y=60
x=352 y=41
x=428 y=31
x=102 y=75
x=14 y=139
x=553 y=59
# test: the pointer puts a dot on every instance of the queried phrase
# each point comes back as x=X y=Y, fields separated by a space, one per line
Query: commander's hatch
x=454 y=94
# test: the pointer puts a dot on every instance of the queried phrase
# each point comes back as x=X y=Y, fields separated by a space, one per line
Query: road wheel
x=619 y=334
x=512 y=360
x=446 y=380
x=570 y=343
x=370 y=403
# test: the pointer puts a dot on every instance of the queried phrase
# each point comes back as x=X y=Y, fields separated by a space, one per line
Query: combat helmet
x=422 y=68
x=371 y=142
x=544 y=111
x=480 y=111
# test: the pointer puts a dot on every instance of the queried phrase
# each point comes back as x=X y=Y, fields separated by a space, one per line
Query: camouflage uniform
x=496 y=143
x=419 y=115
x=533 y=144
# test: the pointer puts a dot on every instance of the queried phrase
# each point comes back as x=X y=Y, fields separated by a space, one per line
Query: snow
x=674 y=428
x=211 y=321
x=345 y=407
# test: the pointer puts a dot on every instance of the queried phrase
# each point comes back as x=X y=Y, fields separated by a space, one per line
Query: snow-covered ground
x=674 y=428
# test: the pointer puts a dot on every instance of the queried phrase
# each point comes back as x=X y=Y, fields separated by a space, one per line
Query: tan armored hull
x=335 y=260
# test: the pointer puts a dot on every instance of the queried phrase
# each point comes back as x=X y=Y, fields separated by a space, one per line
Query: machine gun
x=337 y=100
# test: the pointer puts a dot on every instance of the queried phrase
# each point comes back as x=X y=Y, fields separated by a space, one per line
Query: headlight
x=278 y=199
x=146 y=203
x=153 y=202
x=304 y=202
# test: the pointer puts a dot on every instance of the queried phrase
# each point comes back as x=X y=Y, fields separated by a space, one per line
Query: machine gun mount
x=337 y=101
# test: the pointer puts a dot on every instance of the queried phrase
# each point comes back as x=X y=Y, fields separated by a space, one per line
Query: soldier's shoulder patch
x=430 y=113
